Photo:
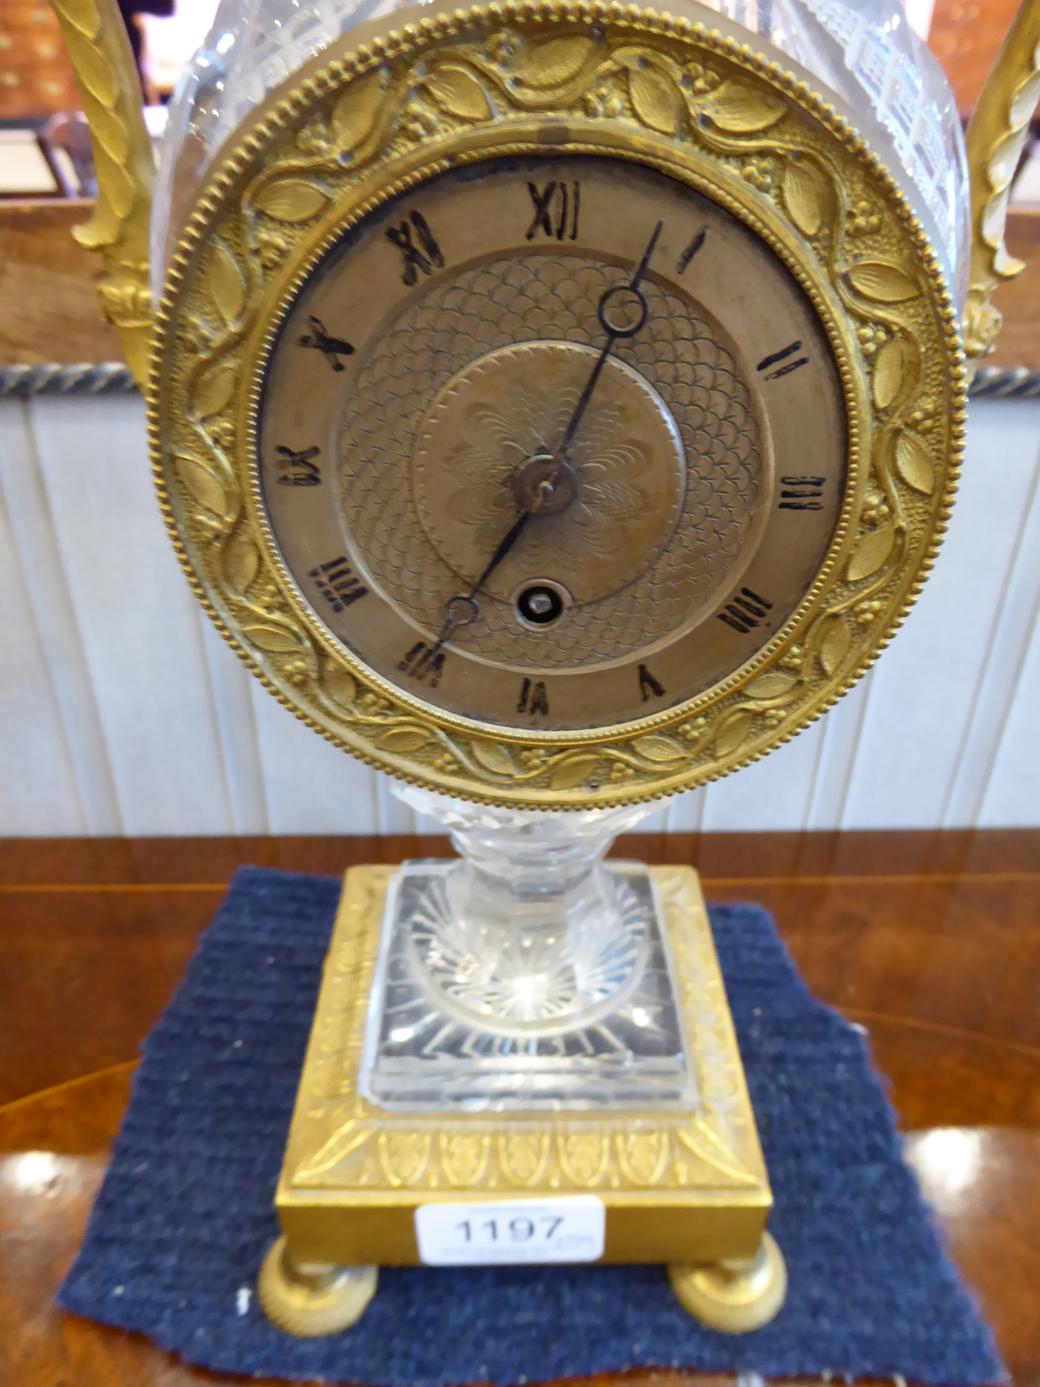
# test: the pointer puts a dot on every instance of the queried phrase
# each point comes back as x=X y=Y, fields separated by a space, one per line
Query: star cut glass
x=494 y=1004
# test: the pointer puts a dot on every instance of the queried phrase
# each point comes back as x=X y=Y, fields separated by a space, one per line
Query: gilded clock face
x=551 y=442
x=554 y=405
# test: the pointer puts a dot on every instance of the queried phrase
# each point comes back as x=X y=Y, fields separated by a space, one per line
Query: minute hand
x=613 y=333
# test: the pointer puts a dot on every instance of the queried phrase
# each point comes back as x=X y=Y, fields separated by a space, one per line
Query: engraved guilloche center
x=601 y=514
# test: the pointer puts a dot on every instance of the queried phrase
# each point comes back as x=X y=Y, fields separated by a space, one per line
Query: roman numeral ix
x=298 y=466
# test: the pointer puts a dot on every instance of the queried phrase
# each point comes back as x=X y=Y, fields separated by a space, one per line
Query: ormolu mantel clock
x=556 y=405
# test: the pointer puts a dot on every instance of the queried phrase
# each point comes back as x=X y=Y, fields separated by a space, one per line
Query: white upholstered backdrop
x=121 y=711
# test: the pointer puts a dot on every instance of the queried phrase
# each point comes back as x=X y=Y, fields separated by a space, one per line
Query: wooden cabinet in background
x=35 y=75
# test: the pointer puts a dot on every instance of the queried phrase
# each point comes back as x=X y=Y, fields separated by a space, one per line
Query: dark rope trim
x=108 y=378
x=1016 y=383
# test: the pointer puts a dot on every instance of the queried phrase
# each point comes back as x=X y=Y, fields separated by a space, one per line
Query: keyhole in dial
x=538 y=604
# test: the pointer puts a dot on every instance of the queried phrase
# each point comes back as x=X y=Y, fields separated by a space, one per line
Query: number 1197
x=520 y=1229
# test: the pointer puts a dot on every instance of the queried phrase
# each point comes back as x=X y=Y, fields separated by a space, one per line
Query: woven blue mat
x=184 y=1215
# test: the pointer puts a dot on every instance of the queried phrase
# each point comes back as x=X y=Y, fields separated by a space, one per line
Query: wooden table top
x=930 y=941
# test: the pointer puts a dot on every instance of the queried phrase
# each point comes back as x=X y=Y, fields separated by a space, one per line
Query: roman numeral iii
x=801 y=493
x=746 y=611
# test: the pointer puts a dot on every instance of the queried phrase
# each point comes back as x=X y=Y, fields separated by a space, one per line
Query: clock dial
x=551 y=443
x=539 y=413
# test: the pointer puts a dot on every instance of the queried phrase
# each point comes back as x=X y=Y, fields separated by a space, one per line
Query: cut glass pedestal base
x=474 y=1011
x=679 y=1183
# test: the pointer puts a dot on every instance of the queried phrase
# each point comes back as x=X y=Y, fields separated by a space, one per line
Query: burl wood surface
x=49 y=308
x=930 y=941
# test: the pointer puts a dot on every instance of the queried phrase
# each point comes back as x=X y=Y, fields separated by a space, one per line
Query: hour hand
x=462 y=609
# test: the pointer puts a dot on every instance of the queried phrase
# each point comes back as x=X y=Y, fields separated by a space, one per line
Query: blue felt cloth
x=184 y=1215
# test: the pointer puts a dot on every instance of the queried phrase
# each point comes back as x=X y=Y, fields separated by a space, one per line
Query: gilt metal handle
x=96 y=39
x=996 y=137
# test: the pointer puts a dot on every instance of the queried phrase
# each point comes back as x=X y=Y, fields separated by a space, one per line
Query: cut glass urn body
x=862 y=54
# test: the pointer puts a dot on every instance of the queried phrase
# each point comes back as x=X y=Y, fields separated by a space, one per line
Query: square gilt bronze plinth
x=677 y=1186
